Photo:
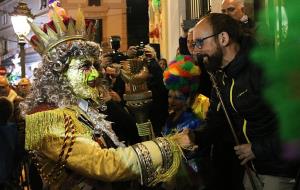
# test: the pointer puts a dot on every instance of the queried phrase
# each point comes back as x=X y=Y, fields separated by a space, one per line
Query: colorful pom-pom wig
x=182 y=75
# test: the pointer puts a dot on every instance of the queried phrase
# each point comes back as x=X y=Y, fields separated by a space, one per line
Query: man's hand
x=131 y=52
x=115 y=96
x=183 y=32
x=185 y=140
x=244 y=153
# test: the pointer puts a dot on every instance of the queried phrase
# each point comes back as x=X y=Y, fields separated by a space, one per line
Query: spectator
x=7 y=91
x=23 y=87
x=163 y=63
x=240 y=83
x=236 y=10
x=8 y=146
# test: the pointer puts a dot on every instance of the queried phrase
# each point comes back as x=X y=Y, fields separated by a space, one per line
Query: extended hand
x=244 y=153
x=185 y=140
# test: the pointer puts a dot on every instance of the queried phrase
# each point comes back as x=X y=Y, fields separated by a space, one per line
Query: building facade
x=110 y=13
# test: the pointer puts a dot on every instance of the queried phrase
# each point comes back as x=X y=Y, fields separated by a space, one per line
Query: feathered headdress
x=59 y=30
x=182 y=74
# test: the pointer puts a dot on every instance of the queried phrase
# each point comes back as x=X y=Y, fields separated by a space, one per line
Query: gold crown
x=45 y=41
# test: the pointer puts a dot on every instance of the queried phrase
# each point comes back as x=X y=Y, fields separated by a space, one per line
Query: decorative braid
x=69 y=141
x=166 y=152
x=171 y=155
x=148 y=173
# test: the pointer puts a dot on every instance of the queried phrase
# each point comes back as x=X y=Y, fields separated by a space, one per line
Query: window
x=43 y=4
x=4 y=18
x=195 y=9
x=94 y=3
x=3 y=49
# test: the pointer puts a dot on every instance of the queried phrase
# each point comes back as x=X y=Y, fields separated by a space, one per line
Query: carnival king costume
x=70 y=141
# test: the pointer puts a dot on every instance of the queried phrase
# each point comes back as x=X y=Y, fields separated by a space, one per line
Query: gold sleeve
x=89 y=159
x=73 y=148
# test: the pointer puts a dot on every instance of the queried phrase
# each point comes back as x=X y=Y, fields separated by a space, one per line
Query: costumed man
x=68 y=138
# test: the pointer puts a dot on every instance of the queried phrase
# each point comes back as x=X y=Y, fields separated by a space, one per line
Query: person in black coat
x=9 y=146
x=241 y=84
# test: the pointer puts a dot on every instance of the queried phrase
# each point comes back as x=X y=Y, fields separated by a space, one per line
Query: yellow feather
x=41 y=35
x=59 y=24
x=53 y=36
x=71 y=28
x=80 y=22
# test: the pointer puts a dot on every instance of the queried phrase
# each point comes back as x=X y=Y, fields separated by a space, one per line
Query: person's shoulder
x=9 y=128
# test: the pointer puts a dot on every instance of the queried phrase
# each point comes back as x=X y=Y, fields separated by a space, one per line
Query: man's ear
x=223 y=38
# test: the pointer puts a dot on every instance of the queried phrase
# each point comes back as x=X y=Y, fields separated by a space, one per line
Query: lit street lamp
x=21 y=27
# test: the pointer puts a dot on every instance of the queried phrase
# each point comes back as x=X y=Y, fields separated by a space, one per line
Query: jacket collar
x=236 y=65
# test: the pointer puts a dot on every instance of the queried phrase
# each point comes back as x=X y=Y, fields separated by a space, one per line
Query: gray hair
x=50 y=86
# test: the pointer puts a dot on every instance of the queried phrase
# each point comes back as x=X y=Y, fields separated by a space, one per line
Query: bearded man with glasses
x=218 y=38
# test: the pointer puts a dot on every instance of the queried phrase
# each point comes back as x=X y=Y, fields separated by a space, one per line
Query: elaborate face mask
x=82 y=76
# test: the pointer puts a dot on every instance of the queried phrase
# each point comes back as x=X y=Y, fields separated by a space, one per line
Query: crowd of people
x=72 y=127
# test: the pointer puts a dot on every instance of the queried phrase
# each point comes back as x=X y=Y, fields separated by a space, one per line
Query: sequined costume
x=68 y=138
x=61 y=143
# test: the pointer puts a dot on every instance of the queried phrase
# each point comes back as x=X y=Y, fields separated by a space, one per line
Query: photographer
x=183 y=39
x=136 y=51
x=159 y=108
x=116 y=55
x=124 y=123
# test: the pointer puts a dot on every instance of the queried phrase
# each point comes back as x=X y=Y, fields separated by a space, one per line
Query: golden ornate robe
x=63 y=149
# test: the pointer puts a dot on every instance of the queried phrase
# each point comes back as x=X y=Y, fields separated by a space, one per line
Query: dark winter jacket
x=241 y=85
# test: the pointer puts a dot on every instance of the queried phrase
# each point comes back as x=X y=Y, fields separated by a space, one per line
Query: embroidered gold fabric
x=61 y=142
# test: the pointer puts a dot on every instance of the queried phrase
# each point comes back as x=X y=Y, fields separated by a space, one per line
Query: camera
x=140 y=49
x=115 y=42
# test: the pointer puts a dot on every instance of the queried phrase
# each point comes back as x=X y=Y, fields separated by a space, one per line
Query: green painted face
x=82 y=76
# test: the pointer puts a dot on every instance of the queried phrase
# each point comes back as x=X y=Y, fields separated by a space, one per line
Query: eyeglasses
x=200 y=41
x=228 y=10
